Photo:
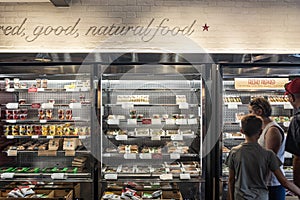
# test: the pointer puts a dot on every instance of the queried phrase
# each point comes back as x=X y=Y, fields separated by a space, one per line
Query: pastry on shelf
x=111 y=150
x=191 y=170
x=186 y=132
x=143 y=169
x=171 y=132
x=180 y=149
x=158 y=169
x=157 y=132
x=189 y=164
x=151 y=150
x=116 y=132
x=128 y=149
x=110 y=169
x=172 y=164
x=175 y=170
x=142 y=132
x=127 y=169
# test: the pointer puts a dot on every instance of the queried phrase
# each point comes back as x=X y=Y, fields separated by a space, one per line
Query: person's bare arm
x=273 y=139
x=286 y=183
x=230 y=194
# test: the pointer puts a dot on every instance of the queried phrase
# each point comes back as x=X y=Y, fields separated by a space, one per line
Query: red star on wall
x=205 y=27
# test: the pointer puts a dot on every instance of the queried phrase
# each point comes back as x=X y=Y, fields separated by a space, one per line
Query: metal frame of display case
x=27 y=72
x=212 y=87
x=252 y=70
x=210 y=72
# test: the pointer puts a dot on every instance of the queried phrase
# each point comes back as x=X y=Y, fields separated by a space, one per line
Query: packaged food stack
x=22 y=191
x=45 y=114
x=55 y=144
x=16 y=114
x=79 y=162
x=128 y=149
x=70 y=144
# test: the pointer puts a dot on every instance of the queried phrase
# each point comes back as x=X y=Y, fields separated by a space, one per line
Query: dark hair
x=263 y=104
x=251 y=124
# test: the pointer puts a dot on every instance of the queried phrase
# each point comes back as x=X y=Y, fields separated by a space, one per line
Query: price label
x=35 y=105
x=185 y=176
x=43 y=121
x=127 y=105
x=113 y=121
x=82 y=136
x=47 y=105
x=32 y=90
x=175 y=156
x=170 y=121
x=58 y=176
x=166 y=177
x=176 y=137
x=146 y=156
x=84 y=89
x=7 y=175
x=12 y=105
x=111 y=176
x=75 y=105
x=12 y=153
x=155 y=137
x=10 y=137
x=183 y=105
x=181 y=121
x=121 y=137
x=50 y=137
x=35 y=137
x=146 y=121
x=10 y=90
x=130 y=155
x=287 y=106
x=156 y=121
x=192 y=121
x=131 y=121
x=232 y=106
x=11 y=121
x=107 y=155
x=40 y=89
x=70 y=90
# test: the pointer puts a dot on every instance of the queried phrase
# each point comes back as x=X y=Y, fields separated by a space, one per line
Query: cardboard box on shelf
x=61 y=194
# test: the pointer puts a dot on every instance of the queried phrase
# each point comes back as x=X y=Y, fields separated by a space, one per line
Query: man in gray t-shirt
x=250 y=164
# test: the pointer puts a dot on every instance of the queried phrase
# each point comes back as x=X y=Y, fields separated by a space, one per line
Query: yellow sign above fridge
x=260 y=83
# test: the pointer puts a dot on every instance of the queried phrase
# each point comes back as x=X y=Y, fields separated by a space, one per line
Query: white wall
x=271 y=26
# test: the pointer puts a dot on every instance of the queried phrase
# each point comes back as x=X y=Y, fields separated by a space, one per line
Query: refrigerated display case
x=154 y=120
x=46 y=130
x=241 y=83
x=150 y=126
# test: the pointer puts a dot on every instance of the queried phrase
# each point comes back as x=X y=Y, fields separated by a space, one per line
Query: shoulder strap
x=279 y=128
